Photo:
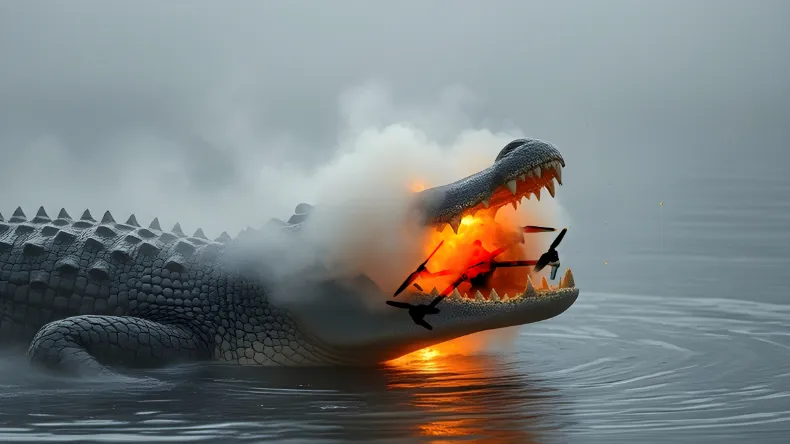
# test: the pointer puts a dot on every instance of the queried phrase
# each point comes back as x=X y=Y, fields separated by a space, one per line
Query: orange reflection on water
x=461 y=392
x=426 y=359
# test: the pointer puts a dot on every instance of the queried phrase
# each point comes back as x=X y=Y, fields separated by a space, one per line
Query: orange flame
x=494 y=229
x=460 y=251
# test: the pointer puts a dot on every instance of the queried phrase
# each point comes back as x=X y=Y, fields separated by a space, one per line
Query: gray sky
x=214 y=113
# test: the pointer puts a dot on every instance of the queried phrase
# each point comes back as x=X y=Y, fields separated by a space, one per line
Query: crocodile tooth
x=455 y=223
x=511 y=185
x=479 y=296
x=466 y=296
x=567 y=280
x=530 y=290
x=455 y=294
x=493 y=296
x=522 y=177
x=550 y=187
x=486 y=202
x=558 y=172
x=514 y=203
x=538 y=172
x=537 y=194
x=505 y=297
x=544 y=284
x=434 y=292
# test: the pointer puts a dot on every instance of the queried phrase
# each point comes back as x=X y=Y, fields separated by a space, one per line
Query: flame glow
x=494 y=229
x=459 y=252
x=417 y=186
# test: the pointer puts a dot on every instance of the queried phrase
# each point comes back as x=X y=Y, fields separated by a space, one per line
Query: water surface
x=616 y=367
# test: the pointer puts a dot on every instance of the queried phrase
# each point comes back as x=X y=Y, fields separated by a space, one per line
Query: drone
x=418 y=312
x=421 y=271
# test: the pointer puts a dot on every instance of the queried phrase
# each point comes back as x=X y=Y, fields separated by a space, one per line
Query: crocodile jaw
x=357 y=328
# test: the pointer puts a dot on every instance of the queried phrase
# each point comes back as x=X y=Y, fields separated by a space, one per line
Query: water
x=616 y=367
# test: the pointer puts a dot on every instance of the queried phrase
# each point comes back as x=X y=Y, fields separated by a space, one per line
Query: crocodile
x=83 y=296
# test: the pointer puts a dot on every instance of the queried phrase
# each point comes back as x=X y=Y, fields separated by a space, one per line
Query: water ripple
x=612 y=367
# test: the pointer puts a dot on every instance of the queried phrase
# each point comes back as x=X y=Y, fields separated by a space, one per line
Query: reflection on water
x=469 y=396
x=616 y=367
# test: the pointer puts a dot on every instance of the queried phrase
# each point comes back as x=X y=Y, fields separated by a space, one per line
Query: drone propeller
x=400 y=304
x=421 y=270
x=495 y=253
x=506 y=264
x=551 y=257
x=418 y=312
x=536 y=229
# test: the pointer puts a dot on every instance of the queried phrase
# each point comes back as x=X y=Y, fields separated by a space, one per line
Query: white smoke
x=385 y=148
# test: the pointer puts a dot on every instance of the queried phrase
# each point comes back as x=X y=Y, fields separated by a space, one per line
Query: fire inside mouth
x=478 y=231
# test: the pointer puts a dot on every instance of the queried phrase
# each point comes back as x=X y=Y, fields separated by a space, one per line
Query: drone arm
x=502 y=264
x=427 y=274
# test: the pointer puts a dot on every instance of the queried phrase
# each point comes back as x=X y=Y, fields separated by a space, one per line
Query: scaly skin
x=87 y=295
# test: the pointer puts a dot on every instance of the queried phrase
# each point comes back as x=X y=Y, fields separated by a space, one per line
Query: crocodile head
x=349 y=318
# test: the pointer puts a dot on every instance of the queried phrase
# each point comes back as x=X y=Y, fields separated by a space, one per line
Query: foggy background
x=222 y=114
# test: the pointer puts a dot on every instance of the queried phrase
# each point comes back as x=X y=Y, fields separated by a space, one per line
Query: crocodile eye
x=509 y=147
